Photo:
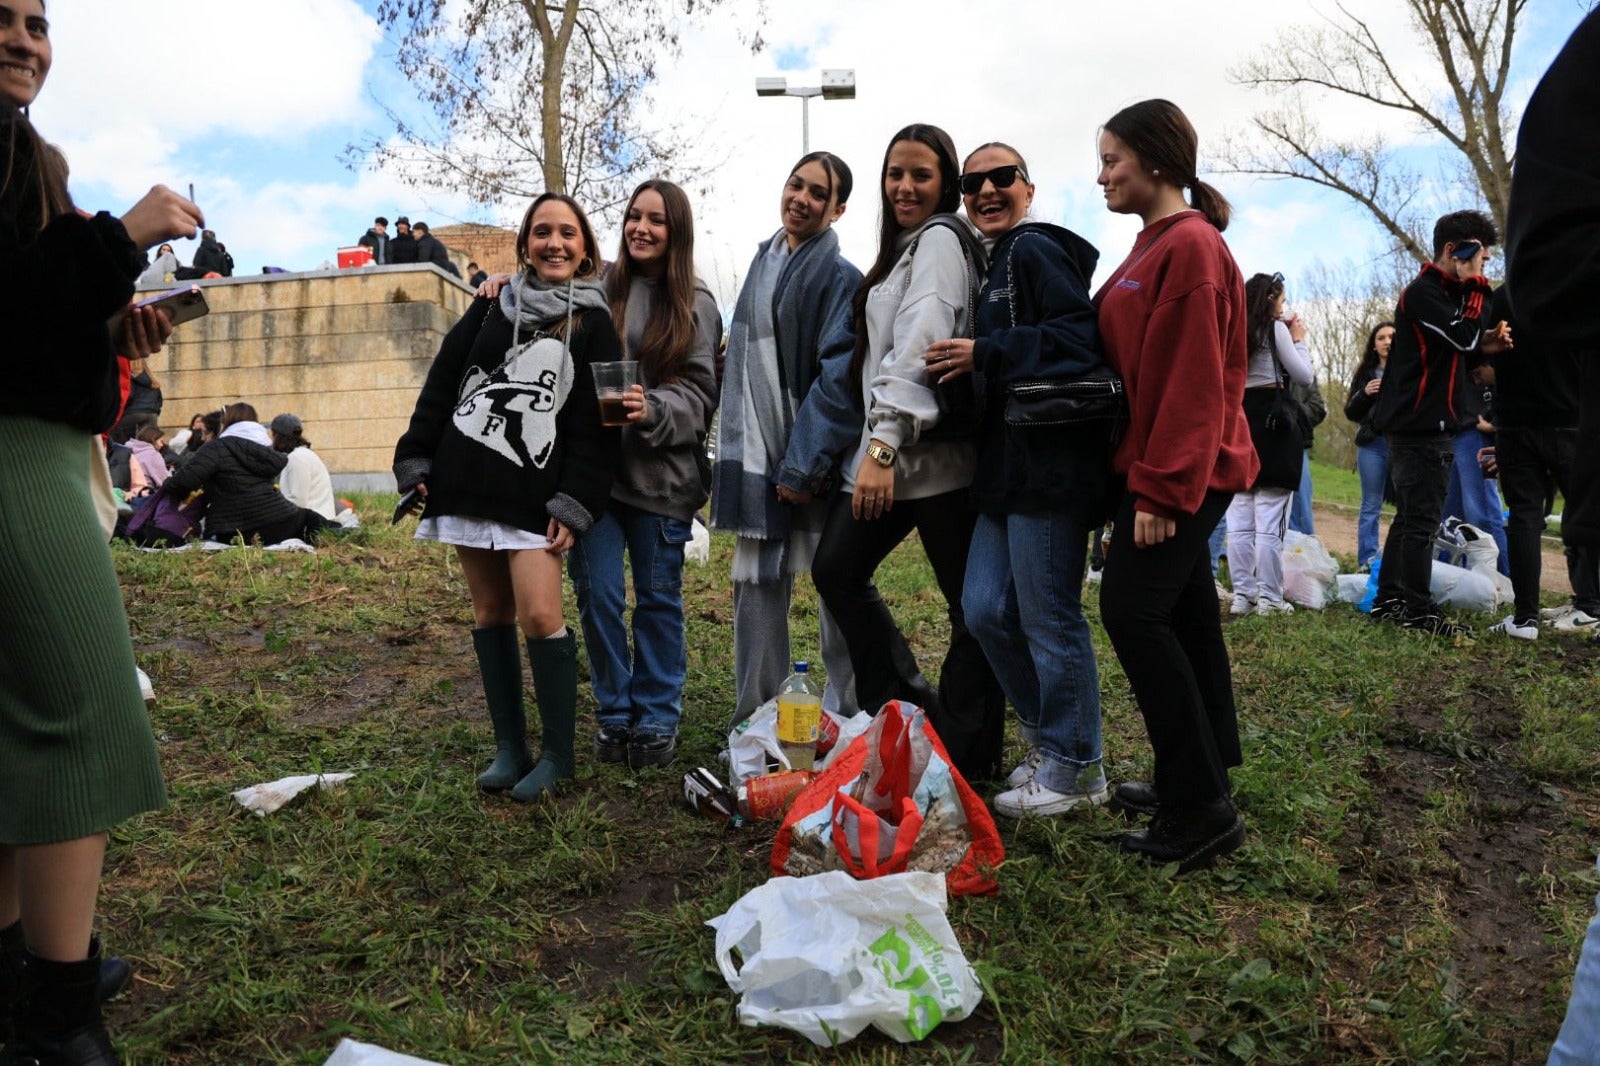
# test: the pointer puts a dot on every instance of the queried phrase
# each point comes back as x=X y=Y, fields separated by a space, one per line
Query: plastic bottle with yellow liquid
x=799 y=717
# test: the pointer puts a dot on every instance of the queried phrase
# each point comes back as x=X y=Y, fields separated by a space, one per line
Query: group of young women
x=854 y=410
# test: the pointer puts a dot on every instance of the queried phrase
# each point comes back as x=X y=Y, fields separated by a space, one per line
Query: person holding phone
x=507 y=454
x=1439 y=323
x=75 y=739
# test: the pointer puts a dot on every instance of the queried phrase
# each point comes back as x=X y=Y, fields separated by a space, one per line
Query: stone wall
x=346 y=350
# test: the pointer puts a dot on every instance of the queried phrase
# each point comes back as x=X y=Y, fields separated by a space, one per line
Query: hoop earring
x=585 y=265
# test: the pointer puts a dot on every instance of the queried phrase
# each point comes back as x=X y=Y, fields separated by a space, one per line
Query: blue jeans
x=1578 y=1043
x=1217 y=546
x=1474 y=498
x=1300 y=519
x=1023 y=601
x=643 y=690
x=1372 y=464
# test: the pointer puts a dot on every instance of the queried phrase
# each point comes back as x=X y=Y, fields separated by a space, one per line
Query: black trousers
x=1580 y=521
x=1532 y=463
x=969 y=710
x=1419 y=469
x=1159 y=606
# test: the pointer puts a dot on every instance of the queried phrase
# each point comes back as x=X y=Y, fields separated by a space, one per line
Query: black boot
x=58 y=1021
x=10 y=977
x=115 y=975
x=1190 y=837
x=500 y=663
x=554 y=661
x=1133 y=798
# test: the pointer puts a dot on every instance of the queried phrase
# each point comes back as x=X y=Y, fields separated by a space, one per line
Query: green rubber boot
x=555 y=686
x=500 y=662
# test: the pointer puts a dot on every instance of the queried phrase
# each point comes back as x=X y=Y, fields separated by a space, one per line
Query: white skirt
x=469 y=532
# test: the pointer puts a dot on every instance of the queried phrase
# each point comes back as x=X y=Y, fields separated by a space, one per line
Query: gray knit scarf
x=531 y=304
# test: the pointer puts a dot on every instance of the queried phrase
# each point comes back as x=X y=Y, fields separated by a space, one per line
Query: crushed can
x=769 y=796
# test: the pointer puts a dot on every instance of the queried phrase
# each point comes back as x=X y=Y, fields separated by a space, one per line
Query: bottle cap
x=801 y=666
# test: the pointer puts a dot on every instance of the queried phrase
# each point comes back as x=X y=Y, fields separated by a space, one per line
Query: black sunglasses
x=1000 y=177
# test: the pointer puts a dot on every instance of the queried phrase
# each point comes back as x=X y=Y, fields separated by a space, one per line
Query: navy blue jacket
x=1037 y=323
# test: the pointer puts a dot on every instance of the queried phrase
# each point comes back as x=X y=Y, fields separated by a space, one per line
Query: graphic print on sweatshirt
x=512 y=411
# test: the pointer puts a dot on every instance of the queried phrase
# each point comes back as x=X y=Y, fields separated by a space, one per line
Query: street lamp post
x=836 y=85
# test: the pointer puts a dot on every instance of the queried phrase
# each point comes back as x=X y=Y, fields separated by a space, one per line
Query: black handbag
x=1097 y=399
x=1289 y=415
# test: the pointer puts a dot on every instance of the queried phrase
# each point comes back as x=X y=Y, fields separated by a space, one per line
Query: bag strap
x=869 y=824
x=971 y=330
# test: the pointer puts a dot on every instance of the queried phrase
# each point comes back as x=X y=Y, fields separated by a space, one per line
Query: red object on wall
x=356 y=256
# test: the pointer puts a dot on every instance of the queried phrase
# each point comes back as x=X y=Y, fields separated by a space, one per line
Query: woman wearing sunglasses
x=1040 y=488
x=1258 y=518
x=788 y=411
x=903 y=474
x=1173 y=320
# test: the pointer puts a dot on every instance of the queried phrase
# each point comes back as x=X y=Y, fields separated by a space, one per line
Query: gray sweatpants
x=761 y=649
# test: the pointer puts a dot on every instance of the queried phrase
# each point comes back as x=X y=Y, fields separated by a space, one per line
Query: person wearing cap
x=402 y=246
x=304 y=480
x=377 y=238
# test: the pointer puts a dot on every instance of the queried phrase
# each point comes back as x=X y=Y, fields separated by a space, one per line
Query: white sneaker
x=1033 y=798
x=1508 y=625
x=1240 y=605
x=1266 y=607
x=1575 y=619
x=1025 y=769
x=146 y=689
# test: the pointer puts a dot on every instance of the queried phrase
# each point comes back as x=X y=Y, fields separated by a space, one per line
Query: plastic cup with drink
x=612 y=381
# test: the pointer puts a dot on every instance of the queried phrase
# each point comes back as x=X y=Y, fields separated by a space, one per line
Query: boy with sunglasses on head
x=1439 y=326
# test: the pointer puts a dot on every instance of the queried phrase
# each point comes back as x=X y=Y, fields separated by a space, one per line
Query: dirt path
x=1336 y=528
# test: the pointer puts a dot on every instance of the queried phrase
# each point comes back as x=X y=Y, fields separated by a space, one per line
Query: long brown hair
x=669 y=331
x=1259 y=292
x=1160 y=134
x=37 y=171
x=239 y=412
x=889 y=228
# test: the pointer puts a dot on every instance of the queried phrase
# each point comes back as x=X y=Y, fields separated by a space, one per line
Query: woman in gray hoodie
x=906 y=470
x=667 y=321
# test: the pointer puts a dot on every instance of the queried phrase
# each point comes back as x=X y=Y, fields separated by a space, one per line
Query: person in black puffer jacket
x=238 y=471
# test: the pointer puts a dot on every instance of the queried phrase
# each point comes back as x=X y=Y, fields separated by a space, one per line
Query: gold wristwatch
x=881 y=454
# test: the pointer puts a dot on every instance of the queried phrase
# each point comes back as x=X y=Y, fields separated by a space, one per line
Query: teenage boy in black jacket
x=1438 y=324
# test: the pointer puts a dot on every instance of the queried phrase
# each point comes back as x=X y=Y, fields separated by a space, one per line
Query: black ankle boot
x=1133 y=798
x=58 y=1020
x=10 y=977
x=1190 y=837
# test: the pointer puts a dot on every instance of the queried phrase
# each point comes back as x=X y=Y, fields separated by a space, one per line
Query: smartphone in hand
x=407 y=504
x=181 y=305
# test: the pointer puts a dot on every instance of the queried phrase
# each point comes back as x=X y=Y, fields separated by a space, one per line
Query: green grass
x=1333 y=484
x=1418 y=874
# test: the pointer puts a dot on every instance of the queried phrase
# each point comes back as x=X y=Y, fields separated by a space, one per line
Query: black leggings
x=968 y=711
x=1159 y=606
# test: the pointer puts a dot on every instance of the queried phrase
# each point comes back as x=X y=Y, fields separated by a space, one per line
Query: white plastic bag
x=1468 y=590
x=354 y=1053
x=1465 y=545
x=753 y=740
x=827 y=955
x=698 y=550
x=1309 y=572
x=1352 y=587
x=266 y=798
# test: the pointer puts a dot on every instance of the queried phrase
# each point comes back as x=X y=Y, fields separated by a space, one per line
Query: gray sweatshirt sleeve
x=1293 y=355
x=679 y=411
x=902 y=403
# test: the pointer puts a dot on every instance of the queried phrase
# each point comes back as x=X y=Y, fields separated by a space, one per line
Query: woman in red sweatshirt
x=1172 y=319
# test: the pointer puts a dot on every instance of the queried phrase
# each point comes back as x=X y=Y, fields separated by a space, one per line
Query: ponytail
x=1211 y=203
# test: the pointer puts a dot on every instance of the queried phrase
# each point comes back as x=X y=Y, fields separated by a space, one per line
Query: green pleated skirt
x=77 y=755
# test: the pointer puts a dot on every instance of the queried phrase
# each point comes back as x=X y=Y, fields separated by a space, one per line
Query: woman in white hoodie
x=911 y=467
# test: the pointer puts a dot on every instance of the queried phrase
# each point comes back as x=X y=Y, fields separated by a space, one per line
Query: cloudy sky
x=253 y=104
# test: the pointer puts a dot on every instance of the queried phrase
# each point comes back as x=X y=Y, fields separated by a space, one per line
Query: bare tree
x=1461 y=103
x=527 y=95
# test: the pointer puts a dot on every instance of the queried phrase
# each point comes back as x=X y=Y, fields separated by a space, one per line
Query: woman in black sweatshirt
x=507 y=450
